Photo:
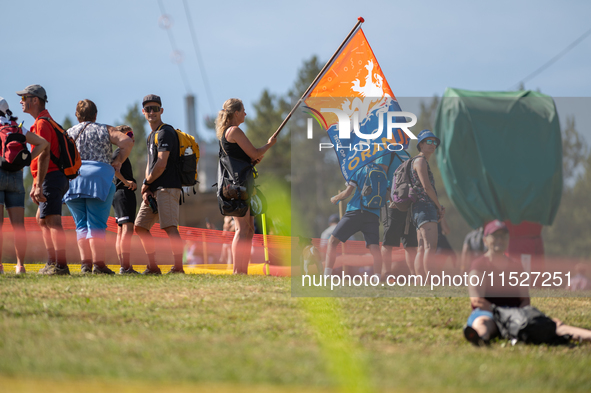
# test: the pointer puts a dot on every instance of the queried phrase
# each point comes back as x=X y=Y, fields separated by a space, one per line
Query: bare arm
x=124 y=143
x=476 y=293
x=158 y=169
x=342 y=195
x=39 y=142
x=464 y=257
x=236 y=135
x=42 y=166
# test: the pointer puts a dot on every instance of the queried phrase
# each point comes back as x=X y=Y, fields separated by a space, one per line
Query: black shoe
x=129 y=270
x=45 y=269
x=152 y=271
x=176 y=270
x=85 y=268
x=473 y=337
x=101 y=270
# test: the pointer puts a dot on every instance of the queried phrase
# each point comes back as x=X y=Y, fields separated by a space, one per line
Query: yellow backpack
x=189 y=157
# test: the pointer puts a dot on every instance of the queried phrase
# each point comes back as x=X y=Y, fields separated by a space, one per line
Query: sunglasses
x=152 y=108
x=24 y=98
x=432 y=142
x=129 y=134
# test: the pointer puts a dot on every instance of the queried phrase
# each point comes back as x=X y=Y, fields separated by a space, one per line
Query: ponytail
x=225 y=116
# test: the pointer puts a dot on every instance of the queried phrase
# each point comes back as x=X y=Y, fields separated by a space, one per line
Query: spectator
x=473 y=248
x=426 y=211
x=226 y=255
x=49 y=183
x=333 y=220
x=12 y=190
x=90 y=195
x=356 y=219
x=396 y=230
x=444 y=248
x=125 y=207
x=580 y=282
x=481 y=325
x=161 y=188
x=235 y=144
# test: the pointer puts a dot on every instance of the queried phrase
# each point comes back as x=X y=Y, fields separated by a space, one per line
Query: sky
x=116 y=52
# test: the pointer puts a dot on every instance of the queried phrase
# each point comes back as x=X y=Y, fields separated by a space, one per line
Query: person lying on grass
x=481 y=325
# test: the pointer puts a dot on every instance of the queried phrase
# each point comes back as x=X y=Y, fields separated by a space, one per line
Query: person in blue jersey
x=356 y=219
x=395 y=221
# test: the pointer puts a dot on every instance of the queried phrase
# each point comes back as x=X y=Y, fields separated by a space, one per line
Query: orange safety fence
x=207 y=247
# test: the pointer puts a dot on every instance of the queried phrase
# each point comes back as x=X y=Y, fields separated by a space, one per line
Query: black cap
x=151 y=98
x=34 y=90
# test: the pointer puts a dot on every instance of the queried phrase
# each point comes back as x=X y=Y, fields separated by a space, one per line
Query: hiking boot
x=101 y=270
x=54 y=270
x=129 y=270
x=47 y=268
x=473 y=337
x=176 y=270
x=86 y=268
x=152 y=271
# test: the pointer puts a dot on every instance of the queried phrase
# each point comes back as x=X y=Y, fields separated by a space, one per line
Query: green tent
x=500 y=155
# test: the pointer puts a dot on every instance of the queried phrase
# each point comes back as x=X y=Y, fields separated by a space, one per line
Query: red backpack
x=13 y=148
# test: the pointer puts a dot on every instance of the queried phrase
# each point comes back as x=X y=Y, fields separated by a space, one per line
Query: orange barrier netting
x=208 y=245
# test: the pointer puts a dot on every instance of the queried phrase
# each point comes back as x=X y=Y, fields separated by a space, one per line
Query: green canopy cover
x=500 y=155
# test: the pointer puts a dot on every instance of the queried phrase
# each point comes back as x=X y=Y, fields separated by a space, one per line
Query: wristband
x=146 y=182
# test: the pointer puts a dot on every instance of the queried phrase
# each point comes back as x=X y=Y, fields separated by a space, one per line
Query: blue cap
x=424 y=135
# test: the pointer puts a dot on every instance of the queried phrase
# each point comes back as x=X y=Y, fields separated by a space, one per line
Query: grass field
x=225 y=333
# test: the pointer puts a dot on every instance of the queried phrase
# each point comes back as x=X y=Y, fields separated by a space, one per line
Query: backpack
x=13 y=148
x=69 y=161
x=375 y=187
x=188 y=158
x=527 y=324
x=403 y=194
x=235 y=186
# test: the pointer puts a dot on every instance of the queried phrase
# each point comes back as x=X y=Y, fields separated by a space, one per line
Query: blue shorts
x=423 y=212
x=12 y=189
x=478 y=313
x=91 y=215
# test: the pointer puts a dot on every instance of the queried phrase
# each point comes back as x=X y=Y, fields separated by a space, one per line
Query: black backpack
x=235 y=185
x=14 y=153
x=527 y=324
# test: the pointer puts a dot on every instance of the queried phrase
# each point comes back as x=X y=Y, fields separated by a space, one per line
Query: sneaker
x=101 y=270
x=47 y=268
x=54 y=270
x=129 y=270
x=85 y=268
x=176 y=270
x=20 y=269
x=473 y=337
x=152 y=270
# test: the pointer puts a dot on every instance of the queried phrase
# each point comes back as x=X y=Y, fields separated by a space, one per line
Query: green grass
x=210 y=330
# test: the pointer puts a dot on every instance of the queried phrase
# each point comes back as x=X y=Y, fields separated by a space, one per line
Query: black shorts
x=55 y=186
x=358 y=220
x=394 y=222
x=125 y=206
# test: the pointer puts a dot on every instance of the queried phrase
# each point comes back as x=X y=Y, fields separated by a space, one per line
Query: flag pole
x=360 y=20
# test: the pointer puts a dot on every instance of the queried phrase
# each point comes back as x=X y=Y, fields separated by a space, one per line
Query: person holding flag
x=234 y=143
